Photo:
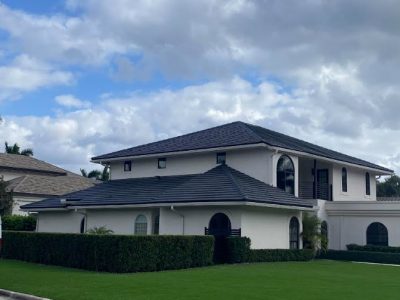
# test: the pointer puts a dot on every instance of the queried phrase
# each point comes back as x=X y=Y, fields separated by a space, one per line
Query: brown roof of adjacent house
x=26 y=163
x=49 y=185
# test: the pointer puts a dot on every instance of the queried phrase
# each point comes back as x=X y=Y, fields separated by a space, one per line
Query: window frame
x=128 y=163
x=344 y=180
x=286 y=174
x=218 y=156
x=367 y=184
x=162 y=160
x=141 y=230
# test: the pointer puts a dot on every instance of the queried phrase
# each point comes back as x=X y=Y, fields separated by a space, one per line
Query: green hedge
x=19 y=223
x=239 y=251
x=372 y=248
x=110 y=253
x=362 y=256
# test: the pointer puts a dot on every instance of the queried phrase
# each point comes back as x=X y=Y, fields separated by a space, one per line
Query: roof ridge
x=19 y=183
x=227 y=170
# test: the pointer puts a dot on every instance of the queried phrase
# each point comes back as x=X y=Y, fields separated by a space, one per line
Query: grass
x=293 y=280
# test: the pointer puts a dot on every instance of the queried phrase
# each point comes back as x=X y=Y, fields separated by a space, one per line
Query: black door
x=323 y=184
x=220 y=228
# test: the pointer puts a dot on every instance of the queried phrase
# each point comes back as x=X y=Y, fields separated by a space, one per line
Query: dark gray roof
x=235 y=134
x=27 y=163
x=216 y=185
x=49 y=185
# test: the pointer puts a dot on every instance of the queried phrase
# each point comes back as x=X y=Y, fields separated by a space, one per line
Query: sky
x=83 y=78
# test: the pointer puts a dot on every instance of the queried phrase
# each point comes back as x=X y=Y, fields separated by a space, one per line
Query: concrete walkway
x=8 y=295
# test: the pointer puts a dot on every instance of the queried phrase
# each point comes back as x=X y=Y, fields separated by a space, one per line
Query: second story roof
x=235 y=134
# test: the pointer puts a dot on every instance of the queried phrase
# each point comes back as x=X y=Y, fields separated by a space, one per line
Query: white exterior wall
x=256 y=162
x=9 y=175
x=61 y=222
x=19 y=201
x=268 y=228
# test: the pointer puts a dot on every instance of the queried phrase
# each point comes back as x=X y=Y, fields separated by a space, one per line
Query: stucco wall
x=268 y=228
x=254 y=162
x=62 y=222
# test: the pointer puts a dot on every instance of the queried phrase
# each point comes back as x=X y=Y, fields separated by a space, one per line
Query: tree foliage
x=311 y=232
x=6 y=200
x=98 y=175
x=15 y=149
x=100 y=230
x=390 y=187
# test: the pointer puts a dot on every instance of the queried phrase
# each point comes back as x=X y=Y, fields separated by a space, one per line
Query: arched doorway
x=377 y=234
x=219 y=225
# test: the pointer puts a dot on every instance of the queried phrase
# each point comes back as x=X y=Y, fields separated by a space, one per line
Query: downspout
x=183 y=218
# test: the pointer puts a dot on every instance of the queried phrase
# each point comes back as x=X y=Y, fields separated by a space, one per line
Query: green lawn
x=295 y=280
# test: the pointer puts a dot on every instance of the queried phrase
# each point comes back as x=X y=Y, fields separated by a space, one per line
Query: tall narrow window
x=221 y=158
x=367 y=184
x=82 y=228
x=285 y=174
x=294 y=233
x=377 y=234
x=162 y=163
x=344 y=180
x=141 y=225
x=127 y=166
x=156 y=228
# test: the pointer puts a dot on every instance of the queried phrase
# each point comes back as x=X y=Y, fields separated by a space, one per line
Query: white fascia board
x=363 y=208
x=166 y=154
x=44 y=209
x=340 y=162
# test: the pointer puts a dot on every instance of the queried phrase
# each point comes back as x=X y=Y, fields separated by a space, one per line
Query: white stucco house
x=30 y=180
x=234 y=179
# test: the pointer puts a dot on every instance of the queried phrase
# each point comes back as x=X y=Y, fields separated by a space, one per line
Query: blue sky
x=88 y=77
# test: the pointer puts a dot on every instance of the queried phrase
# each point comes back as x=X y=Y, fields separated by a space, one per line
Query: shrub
x=110 y=253
x=311 y=231
x=238 y=249
x=362 y=256
x=100 y=230
x=19 y=223
x=274 y=255
x=373 y=248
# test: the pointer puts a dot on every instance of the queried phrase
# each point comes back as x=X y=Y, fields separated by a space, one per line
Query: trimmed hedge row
x=19 y=223
x=110 y=253
x=372 y=248
x=362 y=256
x=239 y=251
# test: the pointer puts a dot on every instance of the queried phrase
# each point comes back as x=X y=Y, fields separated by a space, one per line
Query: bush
x=372 y=248
x=110 y=253
x=19 y=223
x=238 y=249
x=362 y=256
x=273 y=255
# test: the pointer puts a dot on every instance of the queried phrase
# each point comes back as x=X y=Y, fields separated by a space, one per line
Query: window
x=221 y=158
x=367 y=184
x=82 y=229
x=162 y=163
x=285 y=174
x=294 y=235
x=127 y=166
x=141 y=225
x=377 y=234
x=324 y=235
x=156 y=228
x=344 y=180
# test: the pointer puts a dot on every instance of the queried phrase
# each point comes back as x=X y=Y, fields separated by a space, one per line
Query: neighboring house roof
x=220 y=184
x=48 y=185
x=27 y=163
x=235 y=134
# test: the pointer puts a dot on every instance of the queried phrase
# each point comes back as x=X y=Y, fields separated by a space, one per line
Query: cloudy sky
x=82 y=78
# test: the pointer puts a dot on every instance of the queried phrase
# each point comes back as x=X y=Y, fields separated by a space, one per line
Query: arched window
x=324 y=235
x=220 y=225
x=141 y=225
x=344 y=180
x=82 y=228
x=367 y=184
x=377 y=234
x=294 y=233
x=285 y=174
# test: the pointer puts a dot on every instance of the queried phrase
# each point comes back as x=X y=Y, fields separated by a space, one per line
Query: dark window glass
x=377 y=234
x=127 y=166
x=344 y=180
x=220 y=225
x=162 y=163
x=221 y=158
x=141 y=225
x=294 y=234
x=367 y=184
x=82 y=229
x=156 y=228
x=285 y=174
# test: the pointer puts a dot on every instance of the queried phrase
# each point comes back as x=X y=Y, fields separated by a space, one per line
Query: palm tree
x=15 y=149
x=103 y=176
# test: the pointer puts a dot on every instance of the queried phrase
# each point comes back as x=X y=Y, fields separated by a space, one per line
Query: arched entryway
x=220 y=227
x=377 y=234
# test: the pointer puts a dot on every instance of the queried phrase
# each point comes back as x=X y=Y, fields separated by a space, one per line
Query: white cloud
x=71 y=101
